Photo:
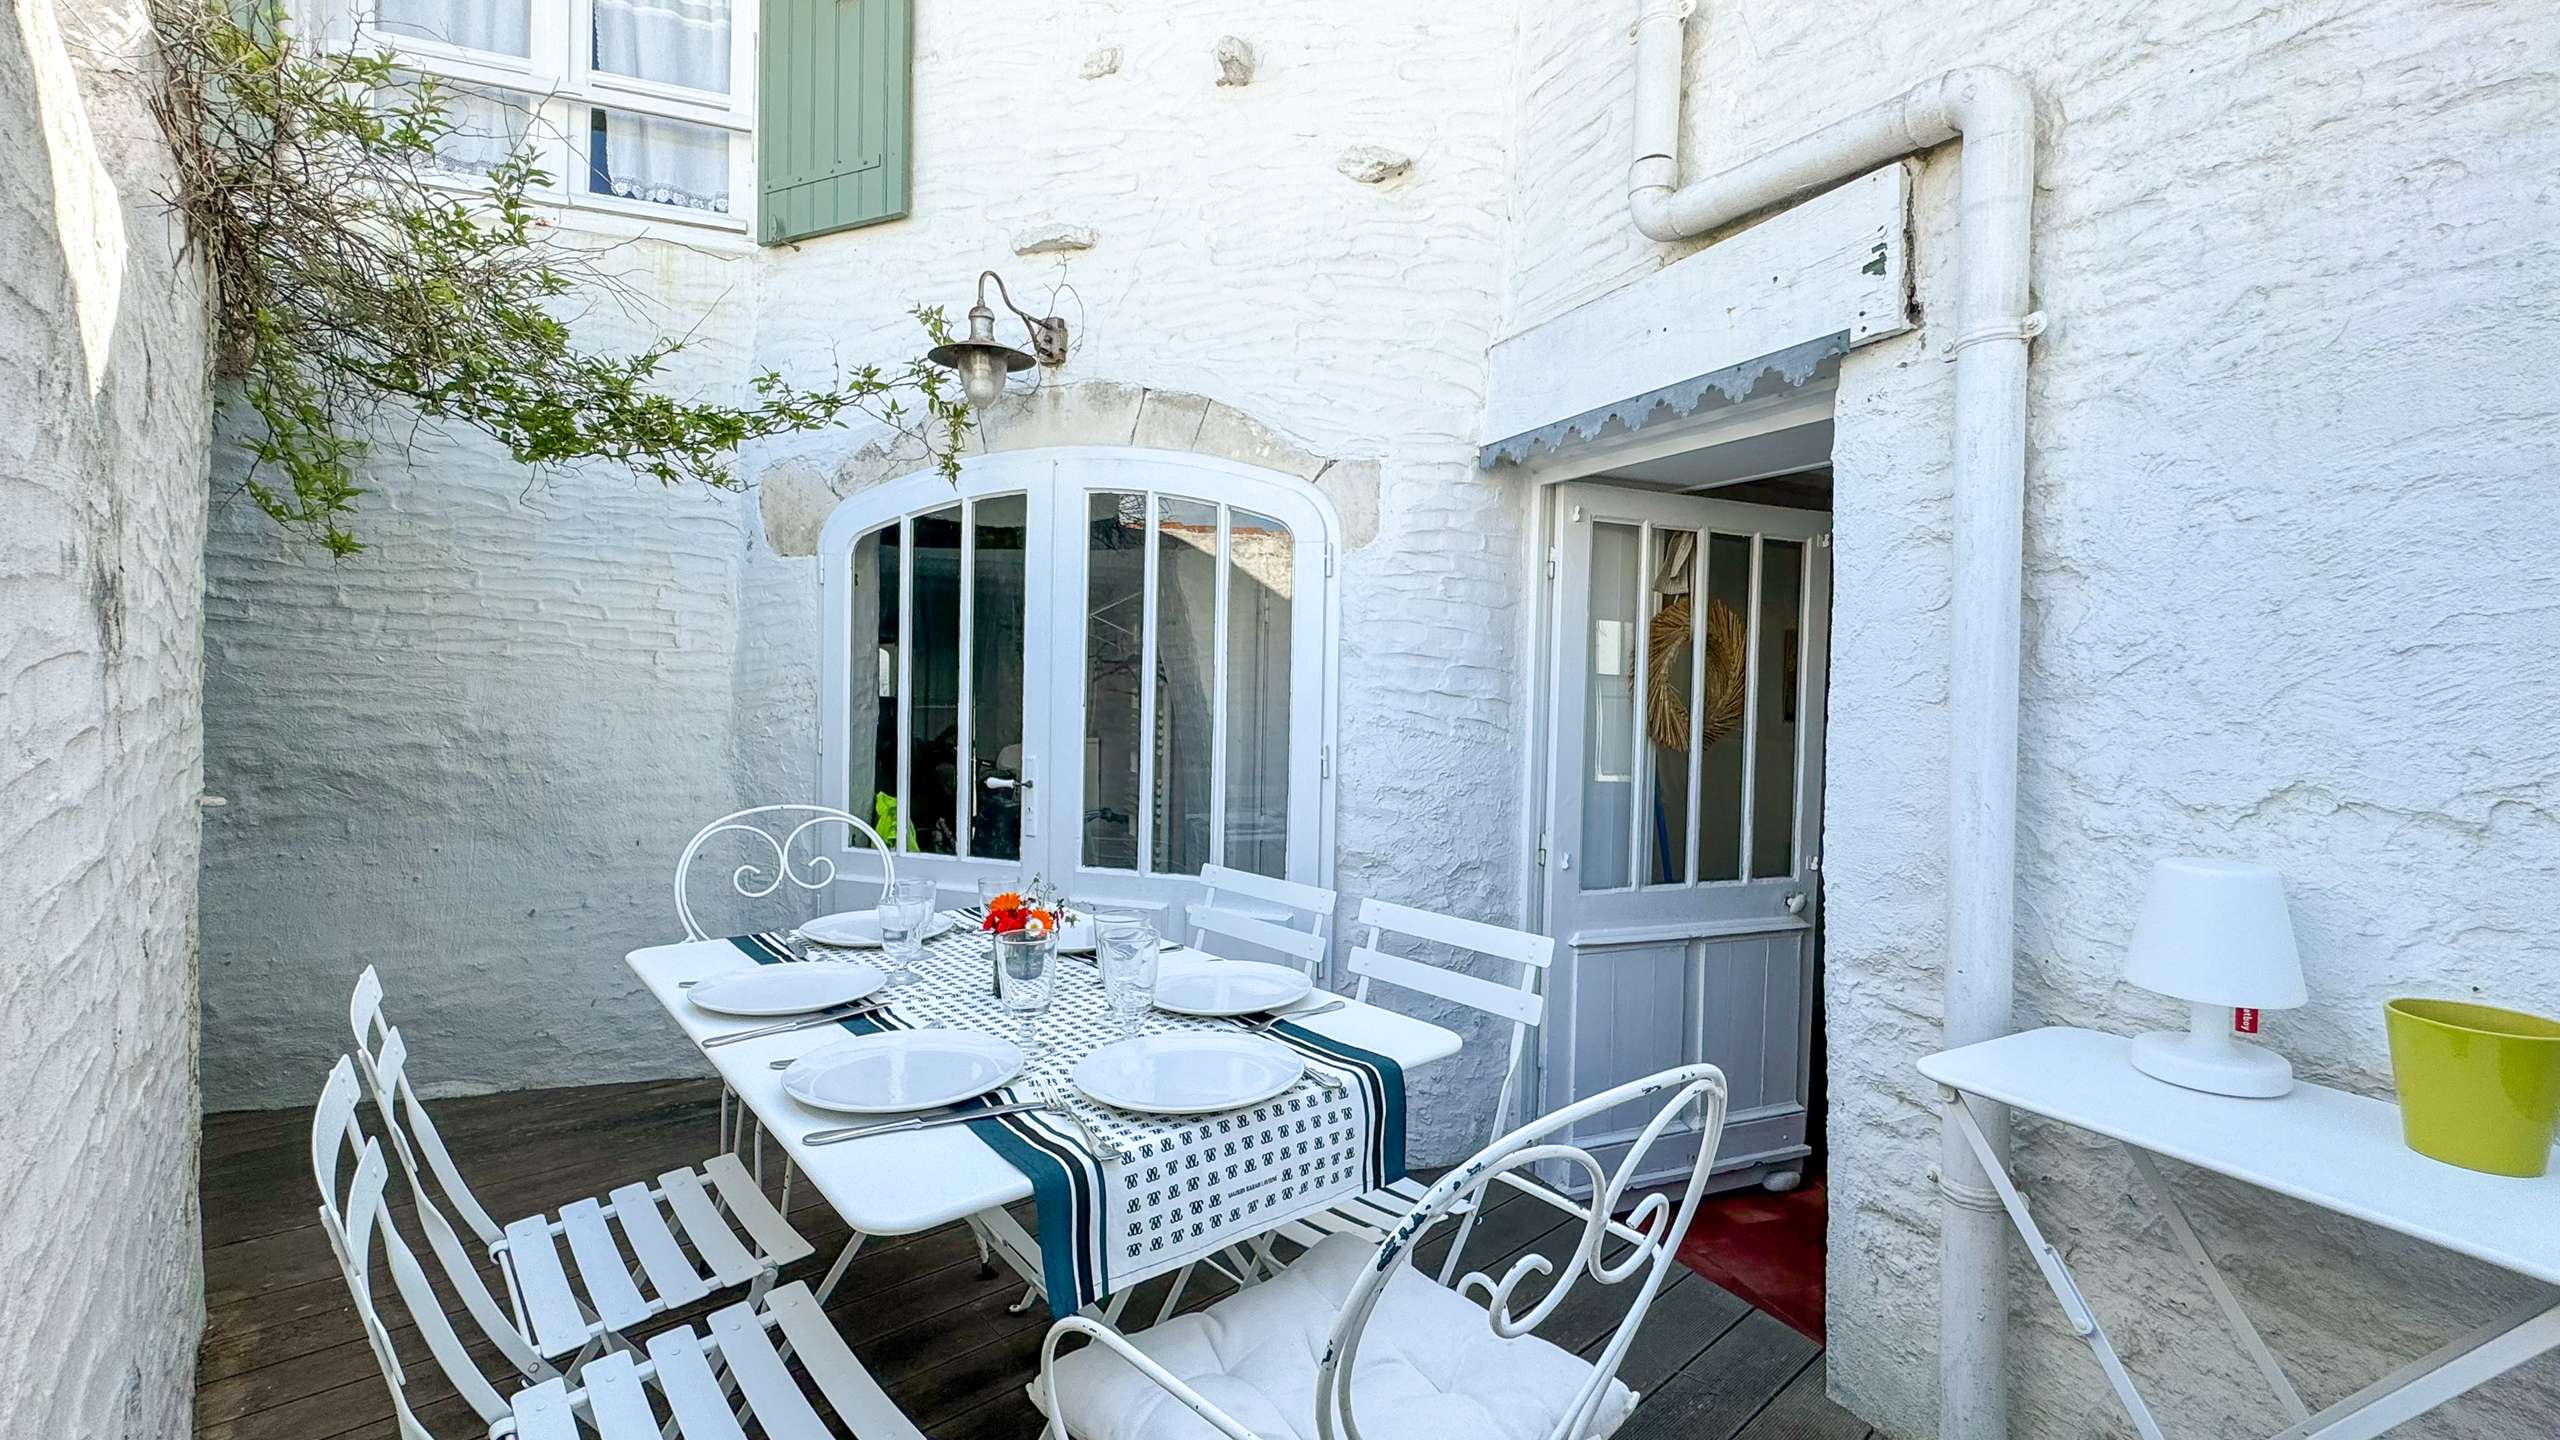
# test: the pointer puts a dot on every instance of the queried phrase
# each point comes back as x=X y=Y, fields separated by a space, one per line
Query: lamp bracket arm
x=1048 y=332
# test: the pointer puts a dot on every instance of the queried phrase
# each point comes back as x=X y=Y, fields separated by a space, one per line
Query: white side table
x=2323 y=1147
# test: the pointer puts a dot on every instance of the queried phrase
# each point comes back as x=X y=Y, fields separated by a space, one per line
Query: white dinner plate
x=860 y=929
x=1230 y=987
x=1192 y=1073
x=901 y=1070
x=793 y=989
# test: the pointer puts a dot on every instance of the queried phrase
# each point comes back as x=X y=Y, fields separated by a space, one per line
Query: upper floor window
x=640 y=106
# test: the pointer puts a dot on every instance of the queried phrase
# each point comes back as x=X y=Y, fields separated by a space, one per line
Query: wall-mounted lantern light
x=984 y=361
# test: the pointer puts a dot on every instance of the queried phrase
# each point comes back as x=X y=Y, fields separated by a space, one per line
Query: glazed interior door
x=1190 y=677
x=1682 y=837
x=1101 y=668
x=933 y=693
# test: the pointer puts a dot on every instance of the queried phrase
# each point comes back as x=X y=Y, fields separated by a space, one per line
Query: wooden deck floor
x=284 y=1360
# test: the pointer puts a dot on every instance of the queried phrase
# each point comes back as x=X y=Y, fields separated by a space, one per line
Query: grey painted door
x=1684 y=800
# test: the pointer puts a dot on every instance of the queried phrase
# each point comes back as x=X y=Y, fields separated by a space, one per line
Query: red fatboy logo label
x=2244 y=1022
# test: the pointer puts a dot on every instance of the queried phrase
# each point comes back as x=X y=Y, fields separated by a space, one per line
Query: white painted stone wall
x=2287 y=591
x=2288 y=596
x=102 y=441
x=470 y=755
x=1233 y=260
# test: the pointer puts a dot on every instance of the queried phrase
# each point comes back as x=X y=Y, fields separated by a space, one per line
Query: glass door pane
x=929 y=727
x=1722 y=742
x=1115 y=679
x=1608 y=761
x=1261 y=565
x=997 y=538
x=871 y=742
x=1670 y=708
x=1776 y=663
x=1185 y=623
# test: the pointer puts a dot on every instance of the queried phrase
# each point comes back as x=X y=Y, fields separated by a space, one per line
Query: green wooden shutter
x=833 y=120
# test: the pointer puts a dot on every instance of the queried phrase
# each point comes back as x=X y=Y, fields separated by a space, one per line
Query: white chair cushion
x=1430 y=1366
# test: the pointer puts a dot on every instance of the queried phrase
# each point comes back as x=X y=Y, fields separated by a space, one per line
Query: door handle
x=1795 y=902
x=999 y=782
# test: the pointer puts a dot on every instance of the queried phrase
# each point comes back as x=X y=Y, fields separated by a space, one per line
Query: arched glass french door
x=1105 y=668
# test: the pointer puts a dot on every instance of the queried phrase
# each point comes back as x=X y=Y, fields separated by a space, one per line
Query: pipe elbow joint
x=1982 y=101
x=1649 y=201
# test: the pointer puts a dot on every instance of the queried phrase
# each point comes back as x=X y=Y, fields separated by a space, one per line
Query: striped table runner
x=1190 y=1185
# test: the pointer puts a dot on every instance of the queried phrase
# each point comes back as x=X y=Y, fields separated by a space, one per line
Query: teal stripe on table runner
x=1061 y=1192
x=1388 y=1079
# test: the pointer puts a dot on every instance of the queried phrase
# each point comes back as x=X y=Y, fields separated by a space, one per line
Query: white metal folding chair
x=1280 y=916
x=814 y=871
x=1245 y=1368
x=1520 y=1002
x=732 y=1378
x=717 y=1209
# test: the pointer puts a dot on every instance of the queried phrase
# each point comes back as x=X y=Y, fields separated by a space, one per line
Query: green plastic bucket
x=2479 y=1086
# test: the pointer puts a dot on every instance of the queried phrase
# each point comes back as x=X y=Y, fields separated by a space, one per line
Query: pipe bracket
x=1967 y=1197
x=2024 y=327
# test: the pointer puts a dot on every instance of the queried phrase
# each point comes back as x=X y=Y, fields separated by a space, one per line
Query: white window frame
x=1056 y=483
x=564 y=90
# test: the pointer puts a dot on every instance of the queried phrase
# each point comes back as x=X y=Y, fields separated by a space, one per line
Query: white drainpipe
x=1993 y=113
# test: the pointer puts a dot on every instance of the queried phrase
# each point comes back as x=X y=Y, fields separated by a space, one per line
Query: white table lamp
x=2216 y=934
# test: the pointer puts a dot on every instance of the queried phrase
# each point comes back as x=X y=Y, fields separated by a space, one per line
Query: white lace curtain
x=501 y=27
x=671 y=42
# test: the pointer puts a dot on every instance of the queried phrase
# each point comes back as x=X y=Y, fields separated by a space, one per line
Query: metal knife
x=918 y=1122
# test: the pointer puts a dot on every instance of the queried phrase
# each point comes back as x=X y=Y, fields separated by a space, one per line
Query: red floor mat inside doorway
x=1766 y=1248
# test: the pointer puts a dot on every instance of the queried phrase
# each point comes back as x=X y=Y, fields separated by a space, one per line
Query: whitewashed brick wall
x=102 y=442
x=2288 y=594
x=2292 y=438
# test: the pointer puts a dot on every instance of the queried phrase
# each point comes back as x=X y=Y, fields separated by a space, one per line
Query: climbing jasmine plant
x=360 y=290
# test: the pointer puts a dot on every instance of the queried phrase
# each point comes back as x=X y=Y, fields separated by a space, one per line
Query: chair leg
x=1173 y=1297
x=986 y=1251
x=844 y=1262
x=1030 y=1298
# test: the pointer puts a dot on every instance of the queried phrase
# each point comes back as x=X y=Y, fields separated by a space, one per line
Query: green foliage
x=360 y=286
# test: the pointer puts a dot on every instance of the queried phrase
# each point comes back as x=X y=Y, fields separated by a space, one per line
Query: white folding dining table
x=916 y=1180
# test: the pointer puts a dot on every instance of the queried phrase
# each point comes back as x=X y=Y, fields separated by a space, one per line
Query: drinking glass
x=1128 y=954
x=905 y=909
x=1026 y=972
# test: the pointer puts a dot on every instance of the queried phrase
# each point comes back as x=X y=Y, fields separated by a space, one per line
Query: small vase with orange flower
x=1033 y=908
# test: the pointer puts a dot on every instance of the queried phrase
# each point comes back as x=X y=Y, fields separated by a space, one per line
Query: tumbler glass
x=905 y=909
x=1026 y=973
x=1128 y=956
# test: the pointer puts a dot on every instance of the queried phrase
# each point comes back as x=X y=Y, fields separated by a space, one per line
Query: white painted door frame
x=1057 y=483
x=1705 y=951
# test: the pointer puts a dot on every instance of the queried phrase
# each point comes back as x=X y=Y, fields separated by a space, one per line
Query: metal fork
x=1331 y=1084
x=1094 y=1139
x=1263 y=1025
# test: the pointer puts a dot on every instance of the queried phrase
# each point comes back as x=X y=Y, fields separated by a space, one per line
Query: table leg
x=2414 y=1389
x=2232 y=1313
x=2057 y=1276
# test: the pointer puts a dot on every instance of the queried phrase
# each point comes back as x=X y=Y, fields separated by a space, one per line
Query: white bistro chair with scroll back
x=815 y=872
x=1352 y=1341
